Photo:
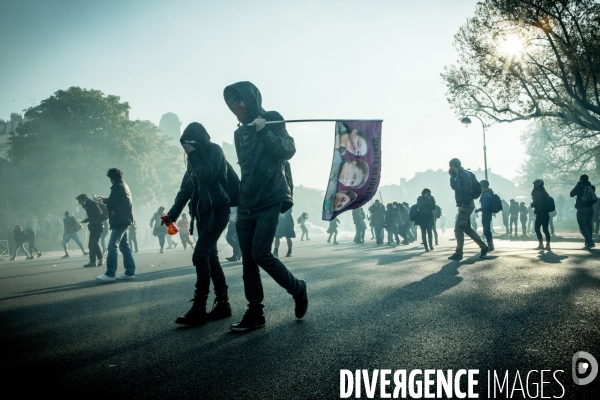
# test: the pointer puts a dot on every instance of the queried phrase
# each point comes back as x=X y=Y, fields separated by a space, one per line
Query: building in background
x=170 y=125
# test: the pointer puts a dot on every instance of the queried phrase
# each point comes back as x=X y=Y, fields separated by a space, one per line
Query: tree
x=527 y=59
x=67 y=144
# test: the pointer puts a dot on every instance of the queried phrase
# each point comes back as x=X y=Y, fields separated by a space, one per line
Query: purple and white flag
x=356 y=166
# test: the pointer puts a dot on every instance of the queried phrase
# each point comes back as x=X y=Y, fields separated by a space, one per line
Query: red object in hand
x=166 y=220
x=172 y=229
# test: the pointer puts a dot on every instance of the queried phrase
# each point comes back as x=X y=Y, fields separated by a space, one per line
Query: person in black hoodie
x=120 y=217
x=540 y=203
x=426 y=206
x=586 y=197
x=265 y=191
x=204 y=186
x=95 y=226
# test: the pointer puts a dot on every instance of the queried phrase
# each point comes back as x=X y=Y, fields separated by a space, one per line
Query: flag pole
x=319 y=120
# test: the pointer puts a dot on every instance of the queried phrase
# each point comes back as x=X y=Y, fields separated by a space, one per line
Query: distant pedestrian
x=132 y=232
x=71 y=231
x=523 y=213
x=232 y=237
x=541 y=204
x=120 y=217
x=403 y=224
x=20 y=240
x=487 y=195
x=358 y=217
x=333 y=231
x=426 y=205
x=462 y=184
x=158 y=229
x=391 y=223
x=302 y=221
x=530 y=218
x=586 y=197
x=513 y=211
x=285 y=229
x=377 y=211
x=94 y=220
x=30 y=239
x=505 y=215
x=184 y=232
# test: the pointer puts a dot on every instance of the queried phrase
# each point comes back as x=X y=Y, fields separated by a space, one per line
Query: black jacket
x=426 y=207
x=463 y=188
x=94 y=216
x=578 y=191
x=119 y=206
x=262 y=155
x=540 y=200
x=203 y=184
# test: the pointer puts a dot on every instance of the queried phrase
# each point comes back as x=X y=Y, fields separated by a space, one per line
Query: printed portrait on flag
x=356 y=166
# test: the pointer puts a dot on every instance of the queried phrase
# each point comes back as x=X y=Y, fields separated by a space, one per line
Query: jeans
x=486 y=222
x=94 y=246
x=206 y=256
x=118 y=237
x=75 y=236
x=462 y=227
x=541 y=221
x=584 y=219
x=256 y=231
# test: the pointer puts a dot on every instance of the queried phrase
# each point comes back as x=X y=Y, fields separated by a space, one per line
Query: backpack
x=76 y=224
x=414 y=213
x=103 y=210
x=496 y=204
x=437 y=213
x=550 y=204
x=476 y=185
x=589 y=194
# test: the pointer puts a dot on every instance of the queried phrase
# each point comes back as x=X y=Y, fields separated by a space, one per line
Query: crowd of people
x=256 y=210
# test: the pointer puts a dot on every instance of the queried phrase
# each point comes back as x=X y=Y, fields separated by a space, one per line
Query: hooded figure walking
x=204 y=186
x=265 y=192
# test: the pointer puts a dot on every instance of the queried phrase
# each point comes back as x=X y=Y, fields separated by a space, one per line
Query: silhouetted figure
x=505 y=215
x=232 y=237
x=302 y=221
x=184 y=232
x=391 y=223
x=426 y=205
x=158 y=229
x=485 y=200
x=523 y=212
x=20 y=240
x=285 y=229
x=541 y=204
x=514 y=216
x=586 y=197
x=530 y=218
x=94 y=220
x=377 y=211
x=358 y=217
x=333 y=231
x=71 y=231
x=132 y=232
x=30 y=239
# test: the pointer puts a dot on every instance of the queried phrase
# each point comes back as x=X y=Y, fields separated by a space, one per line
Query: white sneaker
x=105 y=278
x=125 y=277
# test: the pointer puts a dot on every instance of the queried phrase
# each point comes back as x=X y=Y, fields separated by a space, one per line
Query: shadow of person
x=551 y=257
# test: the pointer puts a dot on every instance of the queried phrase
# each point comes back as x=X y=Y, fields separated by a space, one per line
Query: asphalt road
x=64 y=334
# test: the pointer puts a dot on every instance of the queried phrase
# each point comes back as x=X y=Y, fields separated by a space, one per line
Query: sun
x=512 y=46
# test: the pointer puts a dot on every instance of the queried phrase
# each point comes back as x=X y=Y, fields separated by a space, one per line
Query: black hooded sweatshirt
x=266 y=177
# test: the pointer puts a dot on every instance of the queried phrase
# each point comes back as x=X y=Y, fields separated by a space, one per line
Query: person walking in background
x=530 y=218
x=586 y=197
x=302 y=221
x=461 y=183
x=159 y=230
x=404 y=223
x=94 y=220
x=184 y=232
x=266 y=190
x=232 y=237
x=333 y=231
x=505 y=215
x=30 y=239
x=377 y=211
x=514 y=215
x=523 y=212
x=20 y=240
x=560 y=205
x=120 y=217
x=487 y=195
x=358 y=217
x=285 y=229
x=391 y=222
x=541 y=204
x=132 y=232
x=426 y=205
x=71 y=231
x=103 y=236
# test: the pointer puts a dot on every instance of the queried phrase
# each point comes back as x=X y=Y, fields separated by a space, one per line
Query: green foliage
x=70 y=140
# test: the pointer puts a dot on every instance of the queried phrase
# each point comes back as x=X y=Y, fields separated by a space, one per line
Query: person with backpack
x=302 y=222
x=586 y=197
x=523 y=212
x=71 y=231
x=490 y=203
x=205 y=187
x=94 y=220
x=513 y=211
x=466 y=189
x=266 y=190
x=426 y=208
x=543 y=204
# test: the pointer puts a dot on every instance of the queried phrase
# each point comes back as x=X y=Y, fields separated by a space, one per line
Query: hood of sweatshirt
x=249 y=94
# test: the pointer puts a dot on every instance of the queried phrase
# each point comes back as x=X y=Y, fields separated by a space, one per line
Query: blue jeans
x=486 y=221
x=584 y=219
x=119 y=237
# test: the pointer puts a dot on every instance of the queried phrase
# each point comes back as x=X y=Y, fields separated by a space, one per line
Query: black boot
x=197 y=314
x=221 y=307
x=491 y=245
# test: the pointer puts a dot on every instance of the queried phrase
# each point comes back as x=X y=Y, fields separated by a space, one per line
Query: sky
x=310 y=59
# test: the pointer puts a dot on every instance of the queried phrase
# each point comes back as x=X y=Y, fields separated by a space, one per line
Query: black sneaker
x=484 y=251
x=301 y=301
x=251 y=320
x=456 y=256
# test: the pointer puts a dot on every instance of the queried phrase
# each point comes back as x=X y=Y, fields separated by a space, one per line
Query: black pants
x=94 y=246
x=427 y=233
x=206 y=256
x=256 y=231
x=541 y=221
x=514 y=220
x=32 y=248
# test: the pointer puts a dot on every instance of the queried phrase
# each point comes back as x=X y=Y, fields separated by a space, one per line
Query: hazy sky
x=310 y=59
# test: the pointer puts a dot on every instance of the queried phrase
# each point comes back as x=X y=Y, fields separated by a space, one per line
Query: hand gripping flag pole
x=319 y=120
